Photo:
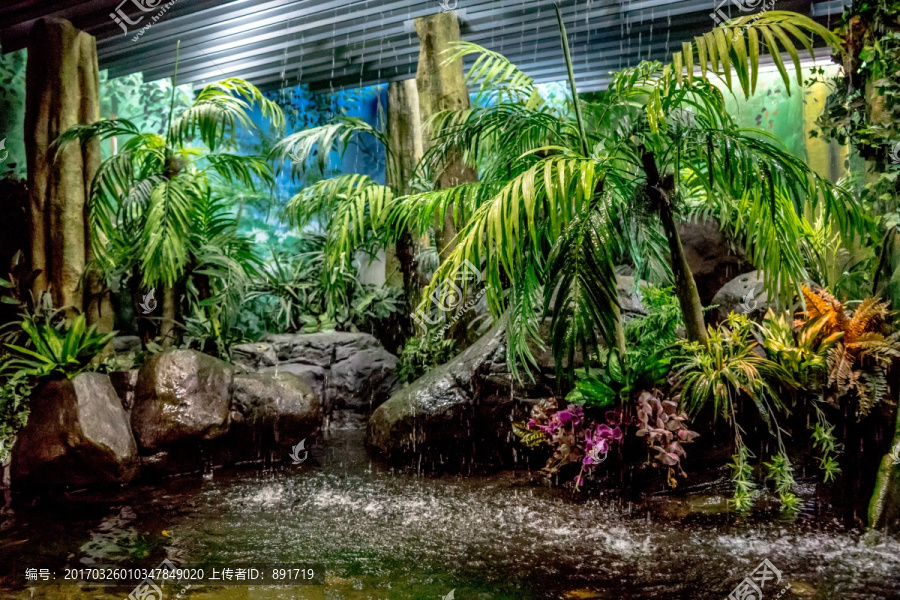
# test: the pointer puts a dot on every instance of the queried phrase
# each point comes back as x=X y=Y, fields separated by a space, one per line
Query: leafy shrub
x=862 y=352
x=801 y=351
x=726 y=371
x=57 y=347
x=421 y=354
x=14 y=394
x=719 y=374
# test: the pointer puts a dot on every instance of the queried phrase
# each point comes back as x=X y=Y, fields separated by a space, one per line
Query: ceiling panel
x=335 y=44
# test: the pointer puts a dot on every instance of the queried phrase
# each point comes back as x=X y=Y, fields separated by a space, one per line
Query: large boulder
x=460 y=412
x=745 y=294
x=282 y=405
x=352 y=370
x=77 y=434
x=313 y=376
x=181 y=396
x=713 y=259
x=271 y=412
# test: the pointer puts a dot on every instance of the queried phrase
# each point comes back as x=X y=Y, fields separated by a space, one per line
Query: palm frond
x=494 y=75
x=736 y=47
x=319 y=142
x=220 y=109
x=581 y=295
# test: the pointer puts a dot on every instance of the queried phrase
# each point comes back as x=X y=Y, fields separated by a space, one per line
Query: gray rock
x=181 y=395
x=313 y=376
x=745 y=294
x=460 y=411
x=283 y=404
x=347 y=370
x=630 y=296
x=182 y=460
x=77 y=434
x=254 y=356
x=713 y=259
x=124 y=383
x=124 y=344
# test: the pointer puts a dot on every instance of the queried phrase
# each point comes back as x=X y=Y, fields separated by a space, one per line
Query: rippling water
x=384 y=534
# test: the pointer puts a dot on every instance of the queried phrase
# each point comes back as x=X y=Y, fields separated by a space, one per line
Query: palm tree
x=151 y=205
x=561 y=199
x=349 y=208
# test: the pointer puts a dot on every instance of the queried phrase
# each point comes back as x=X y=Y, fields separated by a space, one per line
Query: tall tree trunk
x=442 y=86
x=406 y=149
x=660 y=191
x=62 y=90
x=884 y=506
x=169 y=313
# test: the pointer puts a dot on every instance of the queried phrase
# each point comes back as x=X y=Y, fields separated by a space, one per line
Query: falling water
x=378 y=533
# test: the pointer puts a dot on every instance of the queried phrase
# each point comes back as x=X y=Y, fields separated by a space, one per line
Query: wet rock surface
x=458 y=413
x=712 y=259
x=181 y=395
x=744 y=294
x=279 y=406
x=77 y=434
x=348 y=370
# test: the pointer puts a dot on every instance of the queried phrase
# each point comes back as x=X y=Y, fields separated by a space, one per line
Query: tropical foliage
x=861 y=354
x=561 y=198
x=350 y=208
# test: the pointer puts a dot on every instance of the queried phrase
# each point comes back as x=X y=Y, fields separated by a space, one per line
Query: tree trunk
x=442 y=87
x=169 y=312
x=884 y=507
x=62 y=90
x=660 y=192
x=406 y=148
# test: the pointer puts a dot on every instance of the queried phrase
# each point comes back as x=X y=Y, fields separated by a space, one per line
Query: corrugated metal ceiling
x=335 y=44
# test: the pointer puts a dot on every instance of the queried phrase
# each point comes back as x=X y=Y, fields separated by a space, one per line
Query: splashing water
x=379 y=533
